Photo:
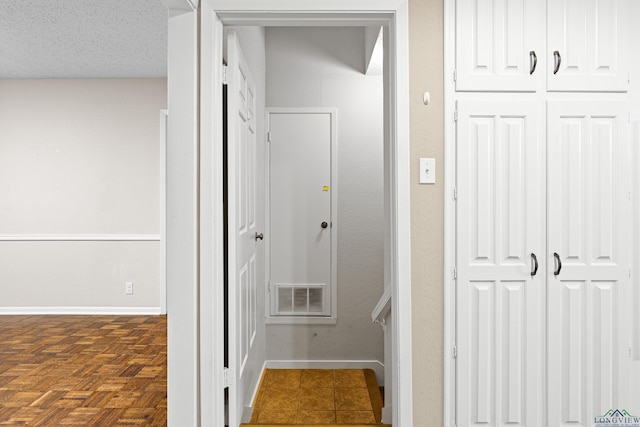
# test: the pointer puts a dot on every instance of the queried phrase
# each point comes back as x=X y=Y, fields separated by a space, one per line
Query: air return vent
x=301 y=299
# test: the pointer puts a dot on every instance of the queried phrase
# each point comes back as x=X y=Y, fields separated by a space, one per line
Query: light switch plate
x=427 y=170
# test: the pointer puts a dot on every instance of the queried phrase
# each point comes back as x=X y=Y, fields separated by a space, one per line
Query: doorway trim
x=449 y=318
x=214 y=14
x=164 y=118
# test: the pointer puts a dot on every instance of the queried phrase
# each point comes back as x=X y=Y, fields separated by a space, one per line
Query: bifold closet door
x=500 y=288
x=588 y=283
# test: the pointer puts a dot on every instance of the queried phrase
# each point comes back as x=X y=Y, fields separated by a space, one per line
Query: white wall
x=78 y=158
x=323 y=67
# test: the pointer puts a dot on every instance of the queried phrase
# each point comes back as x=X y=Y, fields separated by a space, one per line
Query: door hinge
x=455 y=76
x=227 y=377
x=268 y=136
x=224 y=75
x=630 y=351
x=455 y=116
x=455 y=273
x=629 y=272
x=454 y=352
x=455 y=193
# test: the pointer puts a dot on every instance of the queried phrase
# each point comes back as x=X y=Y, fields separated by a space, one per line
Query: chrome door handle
x=534 y=267
x=558 y=264
x=533 y=61
x=324 y=224
x=259 y=236
x=557 y=60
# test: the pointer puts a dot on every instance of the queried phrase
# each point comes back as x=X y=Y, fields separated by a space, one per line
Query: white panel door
x=499 y=45
x=500 y=233
x=587 y=45
x=588 y=265
x=243 y=221
x=300 y=213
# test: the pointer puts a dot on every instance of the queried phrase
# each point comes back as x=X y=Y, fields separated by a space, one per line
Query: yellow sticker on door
x=325 y=188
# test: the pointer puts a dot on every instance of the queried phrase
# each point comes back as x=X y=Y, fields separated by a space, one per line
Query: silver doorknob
x=259 y=236
x=324 y=224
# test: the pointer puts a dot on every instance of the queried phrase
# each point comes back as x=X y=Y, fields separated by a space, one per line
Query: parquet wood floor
x=83 y=371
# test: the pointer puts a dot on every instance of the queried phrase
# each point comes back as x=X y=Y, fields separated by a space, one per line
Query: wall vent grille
x=301 y=299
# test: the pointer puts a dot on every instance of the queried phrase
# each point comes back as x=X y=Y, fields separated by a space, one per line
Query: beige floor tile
x=318 y=399
x=276 y=416
x=316 y=417
x=278 y=398
x=352 y=399
x=349 y=378
x=353 y=417
x=316 y=378
x=283 y=378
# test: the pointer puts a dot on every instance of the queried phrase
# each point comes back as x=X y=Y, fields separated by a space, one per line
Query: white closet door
x=588 y=223
x=500 y=304
x=590 y=38
x=496 y=43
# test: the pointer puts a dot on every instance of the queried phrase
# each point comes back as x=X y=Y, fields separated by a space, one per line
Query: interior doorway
x=330 y=117
x=205 y=391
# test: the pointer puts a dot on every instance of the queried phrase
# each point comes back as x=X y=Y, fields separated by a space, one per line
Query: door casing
x=394 y=15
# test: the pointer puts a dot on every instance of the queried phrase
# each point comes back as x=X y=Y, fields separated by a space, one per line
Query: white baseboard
x=105 y=311
x=387 y=414
x=375 y=365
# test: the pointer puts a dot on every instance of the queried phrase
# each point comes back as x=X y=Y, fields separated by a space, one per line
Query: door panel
x=500 y=223
x=591 y=39
x=244 y=219
x=587 y=218
x=300 y=182
x=494 y=39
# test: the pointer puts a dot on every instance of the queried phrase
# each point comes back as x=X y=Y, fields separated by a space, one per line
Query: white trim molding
x=79 y=237
x=449 y=390
x=102 y=311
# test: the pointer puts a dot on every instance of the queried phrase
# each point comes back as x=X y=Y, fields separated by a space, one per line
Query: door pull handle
x=533 y=61
x=324 y=224
x=557 y=60
x=558 y=264
x=259 y=236
x=534 y=267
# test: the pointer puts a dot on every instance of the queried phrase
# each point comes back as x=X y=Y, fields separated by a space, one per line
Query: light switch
x=427 y=170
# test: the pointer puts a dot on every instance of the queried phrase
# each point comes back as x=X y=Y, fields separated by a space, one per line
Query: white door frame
x=196 y=378
x=164 y=119
x=449 y=215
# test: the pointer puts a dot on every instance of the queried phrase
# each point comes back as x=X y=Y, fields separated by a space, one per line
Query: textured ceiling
x=83 y=38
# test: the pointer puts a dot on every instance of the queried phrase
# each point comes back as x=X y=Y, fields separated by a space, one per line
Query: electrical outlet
x=128 y=288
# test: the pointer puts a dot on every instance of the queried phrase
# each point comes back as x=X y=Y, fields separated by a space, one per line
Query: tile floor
x=318 y=396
